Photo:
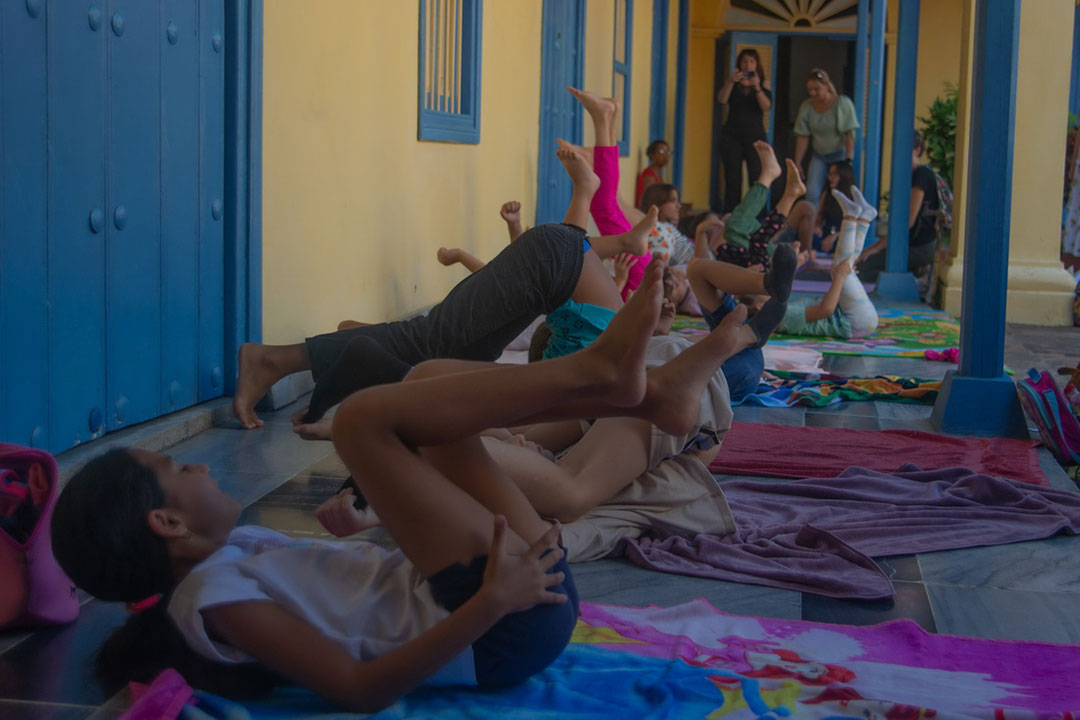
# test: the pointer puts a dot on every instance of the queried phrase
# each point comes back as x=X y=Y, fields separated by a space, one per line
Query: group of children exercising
x=469 y=465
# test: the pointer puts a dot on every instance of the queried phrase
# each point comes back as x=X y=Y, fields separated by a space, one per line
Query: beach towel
x=819 y=535
x=693 y=661
x=787 y=389
x=765 y=450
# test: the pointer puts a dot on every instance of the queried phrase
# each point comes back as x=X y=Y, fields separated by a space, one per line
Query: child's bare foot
x=601 y=109
x=319 y=430
x=584 y=152
x=257 y=373
x=617 y=358
x=636 y=240
x=341 y=518
x=770 y=168
x=795 y=187
x=448 y=256
x=674 y=390
x=579 y=171
x=351 y=325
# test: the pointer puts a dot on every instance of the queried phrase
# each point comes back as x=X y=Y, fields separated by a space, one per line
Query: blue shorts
x=742 y=370
x=521 y=644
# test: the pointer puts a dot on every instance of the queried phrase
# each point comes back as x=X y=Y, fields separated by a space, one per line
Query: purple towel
x=818 y=535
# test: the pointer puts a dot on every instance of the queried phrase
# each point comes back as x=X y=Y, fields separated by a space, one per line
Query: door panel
x=562 y=57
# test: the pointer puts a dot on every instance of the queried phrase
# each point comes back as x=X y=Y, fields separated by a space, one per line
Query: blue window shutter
x=448 y=97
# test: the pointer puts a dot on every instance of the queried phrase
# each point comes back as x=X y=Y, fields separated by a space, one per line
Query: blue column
x=874 y=103
x=680 y=92
x=896 y=283
x=979 y=398
x=861 y=38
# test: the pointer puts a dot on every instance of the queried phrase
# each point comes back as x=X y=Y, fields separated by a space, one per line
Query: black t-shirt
x=925 y=228
x=745 y=118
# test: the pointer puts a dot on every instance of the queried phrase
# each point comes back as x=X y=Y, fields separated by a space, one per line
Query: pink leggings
x=607 y=214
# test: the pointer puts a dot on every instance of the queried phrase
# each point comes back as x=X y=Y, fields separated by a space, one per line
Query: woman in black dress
x=747 y=95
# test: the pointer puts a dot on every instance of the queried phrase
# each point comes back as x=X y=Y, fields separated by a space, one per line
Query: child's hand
x=840 y=270
x=622 y=263
x=518 y=582
x=341 y=519
x=827 y=243
x=511 y=211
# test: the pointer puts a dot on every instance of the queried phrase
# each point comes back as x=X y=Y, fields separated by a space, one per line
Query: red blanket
x=762 y=450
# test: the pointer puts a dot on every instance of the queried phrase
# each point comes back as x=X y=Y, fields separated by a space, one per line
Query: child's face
x=834 y=176
x=660 y=156
x=669 y=211
x=676 y=285
x=193 y=494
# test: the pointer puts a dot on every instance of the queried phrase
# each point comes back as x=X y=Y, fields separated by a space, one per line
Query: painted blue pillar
x=680 y=92
x=1074 y=85
x=861 y=42
x=978 y=398
x=658 y=91
x=896 y=283
x=875 y=95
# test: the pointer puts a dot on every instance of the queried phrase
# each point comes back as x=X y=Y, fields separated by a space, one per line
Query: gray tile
x=11 y=638
x=1050 y=565
x=906 y=367
x=271 y=450
x=302 y=492
x=776 y=416
x=56 y=665
x=1054 y=472
x=43 y=711
x=330 y=466
x=902 y=411
x=845 y=420
x=901 y=568
x=861 y=408
x=909 y=602
x=922 y=425
x=620 y=583
x=845 y=365
x=1006 y=614
x=246 y=488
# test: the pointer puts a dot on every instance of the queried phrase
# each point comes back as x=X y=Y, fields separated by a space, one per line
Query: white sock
x=867 y=214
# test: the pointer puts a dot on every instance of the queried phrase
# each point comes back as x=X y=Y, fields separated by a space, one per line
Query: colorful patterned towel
x=900 y=333
x=786 y=389
x=693 y=661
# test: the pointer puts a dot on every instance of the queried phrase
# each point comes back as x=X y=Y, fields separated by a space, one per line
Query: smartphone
x=750 y=74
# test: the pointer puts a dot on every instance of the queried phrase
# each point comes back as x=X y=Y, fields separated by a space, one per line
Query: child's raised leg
x=634 y=241
x=853 y=299
x=259 y=367
x=586 y=183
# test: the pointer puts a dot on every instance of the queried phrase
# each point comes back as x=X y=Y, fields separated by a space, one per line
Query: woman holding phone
x=747 y=95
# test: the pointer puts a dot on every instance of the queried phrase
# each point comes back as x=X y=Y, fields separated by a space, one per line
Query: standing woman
x=825 y=124
x=748 y=97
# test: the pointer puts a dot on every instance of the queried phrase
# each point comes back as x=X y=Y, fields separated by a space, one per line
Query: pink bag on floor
x=33 y=588
x=1058 y=427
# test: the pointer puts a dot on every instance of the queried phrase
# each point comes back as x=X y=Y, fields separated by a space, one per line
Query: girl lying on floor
x=479 y=592
x=845 y=311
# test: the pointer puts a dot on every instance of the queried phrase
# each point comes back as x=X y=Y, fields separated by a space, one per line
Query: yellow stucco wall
x=1040 y=289
x=354 y=206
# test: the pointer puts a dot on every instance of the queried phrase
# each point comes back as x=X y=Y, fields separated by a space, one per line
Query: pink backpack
x=33 y=588
x=1047 y=406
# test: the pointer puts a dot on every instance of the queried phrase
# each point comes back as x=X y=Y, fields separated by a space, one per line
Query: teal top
x=827 y=129
x=573 y=326
x=794 y=323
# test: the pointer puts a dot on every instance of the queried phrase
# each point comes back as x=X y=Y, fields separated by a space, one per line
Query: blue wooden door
x=562 y=63
x=111 y=281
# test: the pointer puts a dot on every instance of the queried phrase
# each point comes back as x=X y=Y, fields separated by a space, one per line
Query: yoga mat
x=764 y=450
x=820 y=287
x=693 y=661
x=900 y=333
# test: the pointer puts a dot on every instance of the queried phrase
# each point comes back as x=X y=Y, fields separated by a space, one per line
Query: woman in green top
x=825 y=125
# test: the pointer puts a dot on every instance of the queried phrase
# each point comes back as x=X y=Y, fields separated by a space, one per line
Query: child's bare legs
x=511 y=213
x=634 y=241
x=709 y=277
x=449 y=256
x=260 y=366
x=438 y=523
x=586 y=183
x=794 y=188
x=770 y=168
x=603 y=112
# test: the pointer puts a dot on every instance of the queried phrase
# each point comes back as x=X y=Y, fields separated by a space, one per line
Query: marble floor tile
x=770 y=415
x=1050 y=565
x=329 y=466
x=846 y=420
x=901 y=568
x=906 y=367
x=620 y=583
x=1054 y=472
x=1006 y=614
x=845 y=365
x=902 y=411
x=57 y=665
x=272 y=450
x=910 y=601
x=44 y=711
x=860 y=408
x=922 y=425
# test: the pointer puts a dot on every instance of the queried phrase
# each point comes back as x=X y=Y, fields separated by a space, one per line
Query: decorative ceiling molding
x=834 y=16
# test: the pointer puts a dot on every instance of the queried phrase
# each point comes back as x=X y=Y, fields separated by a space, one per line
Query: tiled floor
x=1026 y=591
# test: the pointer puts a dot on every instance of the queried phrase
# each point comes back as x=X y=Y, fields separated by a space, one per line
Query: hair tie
x=144 y=604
